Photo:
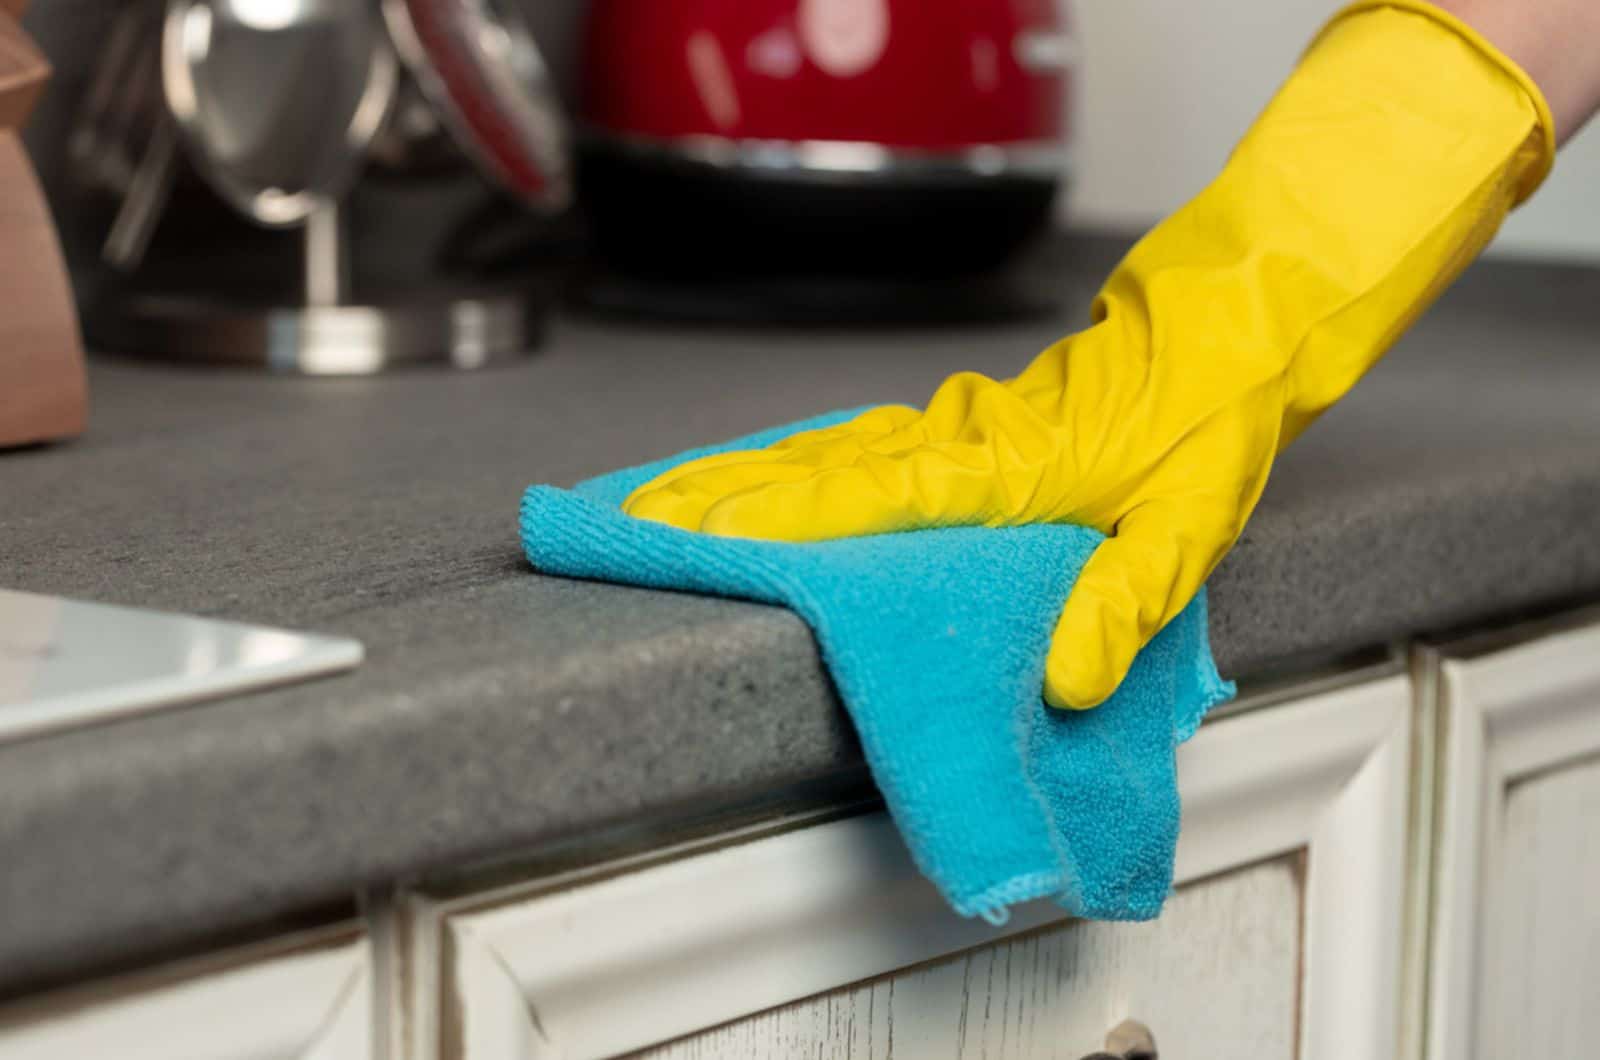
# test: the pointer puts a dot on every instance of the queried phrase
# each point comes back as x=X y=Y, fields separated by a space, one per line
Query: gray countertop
x=501 y=713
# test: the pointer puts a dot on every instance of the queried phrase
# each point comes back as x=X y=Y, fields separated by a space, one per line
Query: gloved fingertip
x=1089 y=654
x=742 y=516
x=1068 y=688
x=656 y=506
x=639 y=503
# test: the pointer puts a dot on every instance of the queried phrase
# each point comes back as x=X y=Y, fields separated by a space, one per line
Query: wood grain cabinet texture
x=1545 y=972
x=1515 y=968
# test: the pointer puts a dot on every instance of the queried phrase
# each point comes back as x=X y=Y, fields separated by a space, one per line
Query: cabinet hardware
x=1128 y=1040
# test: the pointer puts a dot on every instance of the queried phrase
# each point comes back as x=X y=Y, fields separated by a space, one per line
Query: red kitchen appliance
x=733 y=138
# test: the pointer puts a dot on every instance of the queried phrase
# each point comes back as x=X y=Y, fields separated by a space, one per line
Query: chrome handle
x=1128 y=1040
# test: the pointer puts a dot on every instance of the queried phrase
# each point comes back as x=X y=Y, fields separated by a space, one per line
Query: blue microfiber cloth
x=936 y=640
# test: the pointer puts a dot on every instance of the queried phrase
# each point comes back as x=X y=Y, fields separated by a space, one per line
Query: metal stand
x=327 y=335
x=327 y=257
x=467 y=332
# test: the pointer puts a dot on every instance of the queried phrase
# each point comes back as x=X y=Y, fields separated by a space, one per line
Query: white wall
x=1167 y=86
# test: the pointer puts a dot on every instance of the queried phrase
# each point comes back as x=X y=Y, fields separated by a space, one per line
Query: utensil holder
x=165 y=293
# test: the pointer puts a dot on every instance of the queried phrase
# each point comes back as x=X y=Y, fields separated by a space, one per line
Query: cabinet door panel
x=1515 y=945
x=1216 y=976
x=1542 y=971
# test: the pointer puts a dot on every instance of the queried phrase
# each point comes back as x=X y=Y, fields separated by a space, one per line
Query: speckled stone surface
x=500 y=712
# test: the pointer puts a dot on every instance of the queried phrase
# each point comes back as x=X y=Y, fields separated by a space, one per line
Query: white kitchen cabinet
x=1515 y=965
x=1374 y=868
x=307 y=998
x=1286 y=941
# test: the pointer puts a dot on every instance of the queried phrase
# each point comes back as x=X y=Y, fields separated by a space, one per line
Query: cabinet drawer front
x=1217 y=976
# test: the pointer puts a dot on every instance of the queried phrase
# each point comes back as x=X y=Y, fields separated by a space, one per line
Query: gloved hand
x=1381 y=168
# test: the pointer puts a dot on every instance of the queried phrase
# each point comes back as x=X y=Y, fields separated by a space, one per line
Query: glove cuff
x=1528 y=182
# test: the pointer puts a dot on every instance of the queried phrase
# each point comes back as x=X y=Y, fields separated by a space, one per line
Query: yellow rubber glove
x=1381 y=168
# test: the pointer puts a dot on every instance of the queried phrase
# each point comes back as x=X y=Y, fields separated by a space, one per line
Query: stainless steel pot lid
x=477 y=62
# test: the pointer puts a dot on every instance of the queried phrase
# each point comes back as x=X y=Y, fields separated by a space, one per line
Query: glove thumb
x=1134 y=584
